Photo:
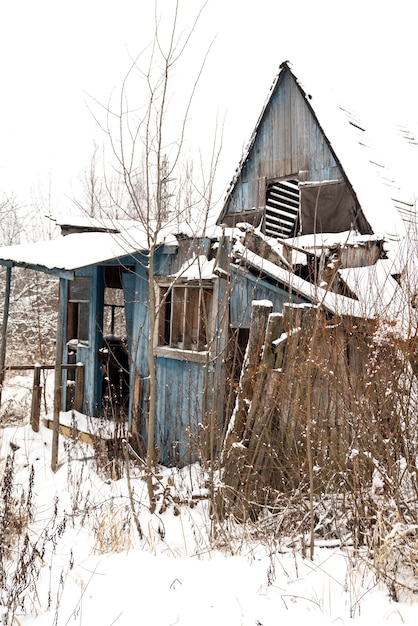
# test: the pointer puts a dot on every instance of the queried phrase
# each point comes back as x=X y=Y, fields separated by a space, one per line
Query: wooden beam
x=61 y=326
x=4 y=327
x=36 y=399
x=74 y=433
x=59 y=273
x=79 y=387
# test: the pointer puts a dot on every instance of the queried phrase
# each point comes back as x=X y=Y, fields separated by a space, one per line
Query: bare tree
x=29 y=297
x=93 y=195
x=148 y=154
x=12 y=220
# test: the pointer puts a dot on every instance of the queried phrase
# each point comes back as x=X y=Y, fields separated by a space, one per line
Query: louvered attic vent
x=282 y=208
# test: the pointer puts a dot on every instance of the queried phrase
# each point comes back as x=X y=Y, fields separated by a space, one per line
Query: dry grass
x=112 y=528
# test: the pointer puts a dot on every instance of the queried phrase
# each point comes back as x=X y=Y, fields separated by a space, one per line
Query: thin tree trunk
x=152 y=382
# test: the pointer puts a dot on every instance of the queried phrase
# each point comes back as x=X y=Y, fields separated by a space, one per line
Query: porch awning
x=74 y=251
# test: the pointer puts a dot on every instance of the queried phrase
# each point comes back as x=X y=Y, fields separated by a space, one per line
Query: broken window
x=295 y=208
x=78 y=309
x=183 y=316
x=114 y=313
x=282 y=208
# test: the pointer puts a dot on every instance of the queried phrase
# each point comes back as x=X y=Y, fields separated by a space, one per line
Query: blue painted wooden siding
x=246 y=287
x=128 y=283
x=288 y=140
x=89 y=354
x=182 y=387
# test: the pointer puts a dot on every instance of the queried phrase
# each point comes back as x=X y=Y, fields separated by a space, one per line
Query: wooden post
x=260 y=312
x=79 y=387
x=4 y=328
x=137 y=410
x=235 y=450
x=36 y=399
x=61 y=323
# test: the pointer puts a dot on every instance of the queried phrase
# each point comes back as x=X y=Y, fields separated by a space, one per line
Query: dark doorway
x=114 y=350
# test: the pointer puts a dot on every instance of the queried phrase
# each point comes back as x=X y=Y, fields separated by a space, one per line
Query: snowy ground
x=92 y=568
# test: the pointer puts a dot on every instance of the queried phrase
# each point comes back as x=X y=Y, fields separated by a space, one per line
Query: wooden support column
x=61 y=325
x=4 y=328
x=36 y=398
x=79 y=387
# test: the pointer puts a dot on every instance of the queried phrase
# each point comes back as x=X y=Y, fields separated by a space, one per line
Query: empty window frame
x=78 y=309
x=183 y=316
x=114 y=300
x=282 y=208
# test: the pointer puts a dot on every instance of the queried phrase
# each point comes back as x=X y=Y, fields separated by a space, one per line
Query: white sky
x=55 y=55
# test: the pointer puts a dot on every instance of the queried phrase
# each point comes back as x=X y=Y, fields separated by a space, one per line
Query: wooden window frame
x=184 y=313
x=78 y=310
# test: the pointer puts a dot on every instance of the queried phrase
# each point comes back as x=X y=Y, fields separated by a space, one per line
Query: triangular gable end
x=290 y=180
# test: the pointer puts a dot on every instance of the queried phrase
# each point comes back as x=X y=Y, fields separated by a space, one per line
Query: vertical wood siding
x=245 y=288
x=180 y=408
x=288 y=140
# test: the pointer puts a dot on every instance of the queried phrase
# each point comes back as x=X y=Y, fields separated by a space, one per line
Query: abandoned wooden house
x=310 y=218
x=104 y=321
x=326 y=220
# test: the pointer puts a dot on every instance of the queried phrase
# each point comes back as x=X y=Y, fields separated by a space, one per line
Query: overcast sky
x=56 y=58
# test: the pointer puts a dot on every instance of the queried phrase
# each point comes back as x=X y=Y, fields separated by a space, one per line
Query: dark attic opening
x=294 y=207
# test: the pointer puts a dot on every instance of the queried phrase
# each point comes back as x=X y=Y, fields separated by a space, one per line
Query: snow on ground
x=92 y=567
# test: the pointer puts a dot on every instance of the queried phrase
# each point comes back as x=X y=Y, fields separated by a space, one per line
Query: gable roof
x=381 y=188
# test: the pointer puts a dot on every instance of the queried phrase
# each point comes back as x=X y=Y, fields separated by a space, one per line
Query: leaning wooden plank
x=260 y=312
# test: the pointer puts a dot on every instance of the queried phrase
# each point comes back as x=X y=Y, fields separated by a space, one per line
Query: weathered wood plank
x=4 y=327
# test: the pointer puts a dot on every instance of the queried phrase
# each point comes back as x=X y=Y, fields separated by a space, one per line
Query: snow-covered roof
x=87 y=222
x=376 y=157
x=197 y=268
x=70 y=252
x=329 y=240
x=377 y=290
x=378 y=294
x=91 y=241
x=81 y=249
x=379 y=159
x=335 y=303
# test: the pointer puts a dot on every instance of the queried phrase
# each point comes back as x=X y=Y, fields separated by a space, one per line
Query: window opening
x=282 y=208
x=183 y=316
x=78 y=310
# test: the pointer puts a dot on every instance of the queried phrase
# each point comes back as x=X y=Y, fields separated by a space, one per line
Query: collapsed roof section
x=347 y=274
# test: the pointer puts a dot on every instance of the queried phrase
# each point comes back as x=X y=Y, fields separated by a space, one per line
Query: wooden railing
x=37 y=387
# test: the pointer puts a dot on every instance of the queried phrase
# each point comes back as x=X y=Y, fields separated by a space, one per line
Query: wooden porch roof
x=67 y=253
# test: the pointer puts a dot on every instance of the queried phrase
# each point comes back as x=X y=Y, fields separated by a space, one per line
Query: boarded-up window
x=328 y=207
x=184 y=311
